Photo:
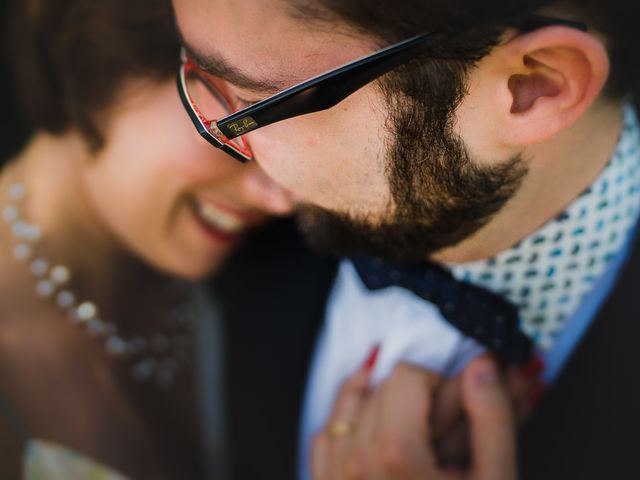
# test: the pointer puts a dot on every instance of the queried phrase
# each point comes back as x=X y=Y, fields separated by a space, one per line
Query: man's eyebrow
x=219 y=67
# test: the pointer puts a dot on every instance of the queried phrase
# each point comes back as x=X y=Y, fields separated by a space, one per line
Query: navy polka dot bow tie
x=476 y=312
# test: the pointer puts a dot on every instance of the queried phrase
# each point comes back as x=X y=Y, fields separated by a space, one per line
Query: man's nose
x=264 y=193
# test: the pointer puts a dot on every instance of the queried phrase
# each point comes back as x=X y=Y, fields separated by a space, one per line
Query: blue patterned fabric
x=550 y=273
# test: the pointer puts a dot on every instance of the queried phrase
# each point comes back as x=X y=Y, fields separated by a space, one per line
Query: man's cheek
x=294 y=161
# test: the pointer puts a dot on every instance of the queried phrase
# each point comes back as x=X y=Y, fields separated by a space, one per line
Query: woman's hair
x=70 y=57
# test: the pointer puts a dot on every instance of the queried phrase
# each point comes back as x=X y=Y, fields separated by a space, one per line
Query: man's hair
x=70 y=57
x=476 y=26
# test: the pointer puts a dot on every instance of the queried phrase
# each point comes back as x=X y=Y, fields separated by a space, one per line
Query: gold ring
x=341 y=429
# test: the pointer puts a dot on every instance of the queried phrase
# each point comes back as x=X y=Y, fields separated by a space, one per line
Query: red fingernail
x=536 y=394
x=372 y=358
x=533 y=368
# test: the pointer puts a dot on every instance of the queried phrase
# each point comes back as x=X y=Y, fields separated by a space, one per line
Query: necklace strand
x=157 y=358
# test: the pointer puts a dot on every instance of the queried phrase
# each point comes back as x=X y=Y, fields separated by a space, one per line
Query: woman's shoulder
x=17 y=283
x=12 y=296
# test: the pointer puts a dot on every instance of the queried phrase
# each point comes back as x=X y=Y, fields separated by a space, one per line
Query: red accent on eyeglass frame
x=244 y=150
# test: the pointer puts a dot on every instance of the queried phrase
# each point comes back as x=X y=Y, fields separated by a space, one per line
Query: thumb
x=491 y=422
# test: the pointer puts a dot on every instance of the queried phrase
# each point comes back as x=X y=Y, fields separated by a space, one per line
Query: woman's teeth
x=220 y=220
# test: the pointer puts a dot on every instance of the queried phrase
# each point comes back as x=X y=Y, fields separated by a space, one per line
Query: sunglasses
x=214 y=116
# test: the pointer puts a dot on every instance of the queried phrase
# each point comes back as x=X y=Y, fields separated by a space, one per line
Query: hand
x=450 y=424
x=388 y=433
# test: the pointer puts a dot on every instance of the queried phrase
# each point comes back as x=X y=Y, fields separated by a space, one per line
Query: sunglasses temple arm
x=327 y=91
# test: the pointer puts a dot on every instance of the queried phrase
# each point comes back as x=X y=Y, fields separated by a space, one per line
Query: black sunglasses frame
x=326 y=90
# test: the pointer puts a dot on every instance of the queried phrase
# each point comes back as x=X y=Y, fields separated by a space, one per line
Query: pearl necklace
x=157 y=358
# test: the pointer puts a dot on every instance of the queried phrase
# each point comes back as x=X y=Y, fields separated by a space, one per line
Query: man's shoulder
x=586 y=427
x=273 y=294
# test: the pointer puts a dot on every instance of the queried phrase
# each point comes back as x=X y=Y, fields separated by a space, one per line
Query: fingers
x=350 y=398
x=330 y=446
x=492 y=428
x=448 y=407
x=321 y=459
x=450 y=430
x=452 y=449
x=524 y=384
x=345 y=419
x=394 y=427
x=407 y=399
x=391 y=439
x=519 y=388
x=394 y=442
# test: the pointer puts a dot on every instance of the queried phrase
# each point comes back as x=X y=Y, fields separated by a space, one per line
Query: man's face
x=374 y=173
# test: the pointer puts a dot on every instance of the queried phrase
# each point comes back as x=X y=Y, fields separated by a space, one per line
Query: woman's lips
x=219 y=222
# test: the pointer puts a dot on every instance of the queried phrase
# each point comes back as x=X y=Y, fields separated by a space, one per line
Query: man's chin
x=405 y=239
x=340 y=235
x=328 y=232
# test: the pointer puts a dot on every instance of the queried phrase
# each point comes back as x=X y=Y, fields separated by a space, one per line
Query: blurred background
x=13 y=126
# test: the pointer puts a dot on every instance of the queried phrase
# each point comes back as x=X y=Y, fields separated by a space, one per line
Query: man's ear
x=547 y=80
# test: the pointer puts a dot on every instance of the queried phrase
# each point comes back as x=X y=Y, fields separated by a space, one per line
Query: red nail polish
x=533 y=368
x=372 y=358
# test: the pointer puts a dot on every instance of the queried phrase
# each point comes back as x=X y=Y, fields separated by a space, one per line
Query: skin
x=379 y=447
x=121 y=220
x=537 y=95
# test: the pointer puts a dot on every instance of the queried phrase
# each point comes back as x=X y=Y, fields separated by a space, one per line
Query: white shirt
x=407 y=328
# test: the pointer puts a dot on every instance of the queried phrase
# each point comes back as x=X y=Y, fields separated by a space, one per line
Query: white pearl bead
x=45 y=288
x=22 y=252
x=144 y=369
x=39 y=267
x=10 y=214
x=60 y=275
x=110 y=329
x=65 y=299
x=17 y=191
x=33 y=233
x=86 y=311
x=95 y=327
x=19 y=229
x=116 y=345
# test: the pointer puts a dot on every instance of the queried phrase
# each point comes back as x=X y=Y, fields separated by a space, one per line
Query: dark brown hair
x=69 y=57
x=476 y=25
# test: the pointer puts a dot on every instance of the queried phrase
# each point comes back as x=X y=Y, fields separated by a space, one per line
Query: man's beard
x=440 y=196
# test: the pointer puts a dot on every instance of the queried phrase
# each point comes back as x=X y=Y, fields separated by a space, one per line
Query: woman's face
x=168 y=195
